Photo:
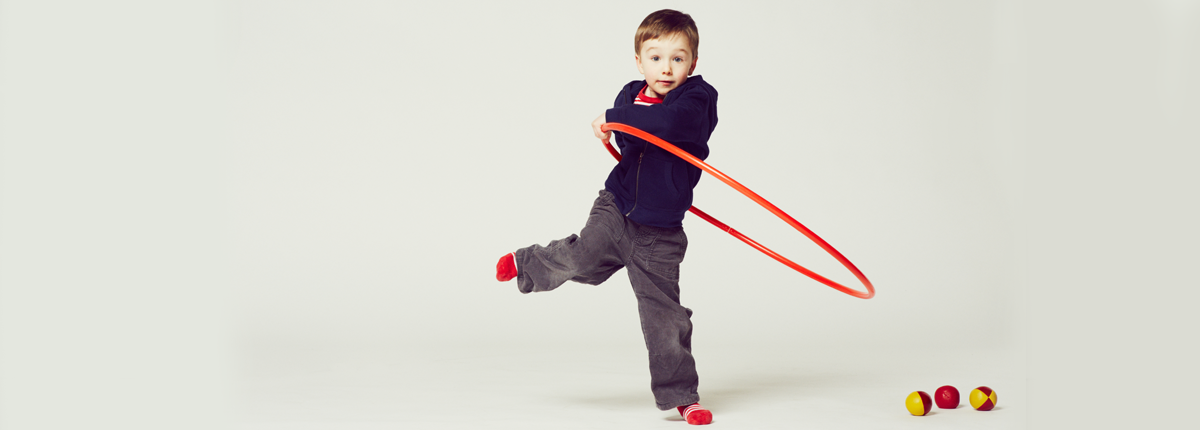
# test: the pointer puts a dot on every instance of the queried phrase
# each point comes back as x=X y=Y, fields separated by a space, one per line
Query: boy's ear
x=637 y=60
x=693 y=69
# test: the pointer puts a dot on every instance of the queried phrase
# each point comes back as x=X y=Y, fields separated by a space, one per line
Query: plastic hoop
x=615 y=126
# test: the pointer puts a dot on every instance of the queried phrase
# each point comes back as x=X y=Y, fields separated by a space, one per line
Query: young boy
x=636 y=222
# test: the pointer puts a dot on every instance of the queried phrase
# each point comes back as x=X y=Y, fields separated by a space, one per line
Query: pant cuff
x=695 y=398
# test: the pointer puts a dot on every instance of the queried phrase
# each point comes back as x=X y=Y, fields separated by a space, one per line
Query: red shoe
x=506 y=268
x=695 y=414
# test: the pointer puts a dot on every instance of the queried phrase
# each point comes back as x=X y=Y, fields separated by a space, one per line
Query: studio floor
x=351 y=387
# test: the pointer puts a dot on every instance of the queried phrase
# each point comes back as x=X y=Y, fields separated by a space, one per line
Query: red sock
x=506 y=268
x=695 y=414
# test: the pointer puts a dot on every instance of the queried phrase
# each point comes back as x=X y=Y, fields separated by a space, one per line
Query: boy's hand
x=602 y=135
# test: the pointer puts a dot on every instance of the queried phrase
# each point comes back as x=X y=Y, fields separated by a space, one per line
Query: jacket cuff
x=614 y=115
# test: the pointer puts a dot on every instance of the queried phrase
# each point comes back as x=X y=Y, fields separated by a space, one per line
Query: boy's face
x=666 y=64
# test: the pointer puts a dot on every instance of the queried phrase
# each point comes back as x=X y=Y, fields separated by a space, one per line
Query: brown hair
x=667 y=23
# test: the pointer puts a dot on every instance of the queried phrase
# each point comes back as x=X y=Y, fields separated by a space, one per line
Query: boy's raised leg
x=589 y=257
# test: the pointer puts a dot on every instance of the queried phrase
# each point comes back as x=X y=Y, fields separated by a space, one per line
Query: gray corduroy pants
x=651 y=256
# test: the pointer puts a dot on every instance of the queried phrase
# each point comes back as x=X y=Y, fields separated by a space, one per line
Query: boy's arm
x=622 y=95
x=680 y=123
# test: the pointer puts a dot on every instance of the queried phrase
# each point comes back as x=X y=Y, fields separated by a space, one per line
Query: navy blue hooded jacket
x=653 y=186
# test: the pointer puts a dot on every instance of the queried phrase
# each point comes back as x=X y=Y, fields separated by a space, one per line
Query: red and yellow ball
x=983 y=399
x=918 y=403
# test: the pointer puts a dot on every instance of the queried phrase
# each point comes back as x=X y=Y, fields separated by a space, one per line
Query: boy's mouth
x=666 y=82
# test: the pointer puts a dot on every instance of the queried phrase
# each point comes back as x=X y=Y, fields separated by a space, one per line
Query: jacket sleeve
x=618 y=137
x=681 y=123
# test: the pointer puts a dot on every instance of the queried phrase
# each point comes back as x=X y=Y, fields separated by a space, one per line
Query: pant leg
x=654 y=273
x=590 y=257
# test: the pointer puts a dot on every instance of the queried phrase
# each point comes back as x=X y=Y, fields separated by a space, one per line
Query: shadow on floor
x=727 y=394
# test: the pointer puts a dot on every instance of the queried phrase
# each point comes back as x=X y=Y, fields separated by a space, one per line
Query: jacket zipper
x=637 y=184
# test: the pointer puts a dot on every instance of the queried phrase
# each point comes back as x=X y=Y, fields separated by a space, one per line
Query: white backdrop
x=387 y=155
x=205 y=204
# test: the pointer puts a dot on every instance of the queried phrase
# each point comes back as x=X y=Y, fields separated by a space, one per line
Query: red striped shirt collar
x=645 y=99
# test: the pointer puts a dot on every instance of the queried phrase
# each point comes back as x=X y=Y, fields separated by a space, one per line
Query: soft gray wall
x=184 y=183
x=387 y=155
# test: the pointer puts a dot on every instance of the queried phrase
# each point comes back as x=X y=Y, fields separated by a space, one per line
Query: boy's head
x=666 y=45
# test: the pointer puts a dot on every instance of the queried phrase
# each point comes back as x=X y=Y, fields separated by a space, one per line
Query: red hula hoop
x=614 y=126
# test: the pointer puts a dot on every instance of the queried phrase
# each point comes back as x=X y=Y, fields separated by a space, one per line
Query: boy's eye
x=678 y=59
x=654 y=58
